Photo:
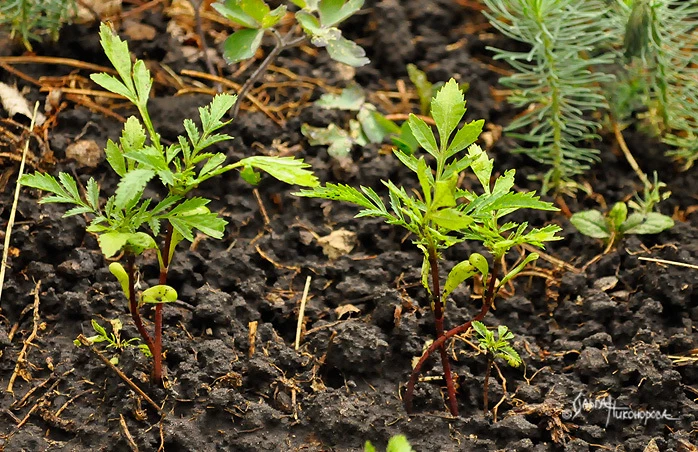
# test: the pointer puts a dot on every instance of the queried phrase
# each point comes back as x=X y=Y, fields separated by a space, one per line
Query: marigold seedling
x=113 y=339
x=496 y=347
x=129 y=222
x=444 y=215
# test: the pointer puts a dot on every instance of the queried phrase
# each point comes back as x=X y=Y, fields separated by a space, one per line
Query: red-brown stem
x=133 y=303
x=440 y=341
x=485 y=387
x=157 y=352
x=439 y=324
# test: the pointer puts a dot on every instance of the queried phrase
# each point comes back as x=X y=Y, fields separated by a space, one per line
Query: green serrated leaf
x=451 y=219
x=115 y=158
x=44 y=182
x=112 y=84
x=208 y=223
x=447 y=109
x=423 y=134
x=465 y=137
x=242 y=45
x=143 y=82
x=480 y=329
x=212 y=114
x=398 y=443
x=131 y=186
x=92 y=193
x=118 y=53
x=285 y=169
x=481 y=165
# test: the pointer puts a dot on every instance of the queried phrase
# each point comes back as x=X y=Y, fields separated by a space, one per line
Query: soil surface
x=601 y=329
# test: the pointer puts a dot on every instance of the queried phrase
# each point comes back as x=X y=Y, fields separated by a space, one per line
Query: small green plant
x=444 y=215
x=617 y=223
x=114 y=339
x=397 y=443
x=317 y=18
x=496 y=348
x=31 y=20
x=130 y=223
x=369 y=126
x=554 y=77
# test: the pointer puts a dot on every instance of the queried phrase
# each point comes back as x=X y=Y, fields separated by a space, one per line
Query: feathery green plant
x=140 y=159
x=496 y=348
x=444 y=215
x=553 y=81
x=30 y=20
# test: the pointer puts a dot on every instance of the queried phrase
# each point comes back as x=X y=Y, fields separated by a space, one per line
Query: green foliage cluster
x=318 y=18
x=617 y=223
x=636 y=53
x=32 y=20
x=497 y=346
x=370 y=126
x=128 y=221
x=442 y=214
x=114 y=339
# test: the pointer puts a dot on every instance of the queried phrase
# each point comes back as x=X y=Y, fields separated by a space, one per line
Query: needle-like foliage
x=30 y=20
x=553 y=81
x=661 y=39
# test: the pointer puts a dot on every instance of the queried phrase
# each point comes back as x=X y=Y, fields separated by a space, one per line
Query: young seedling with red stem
x=140 y=159
x=444 y=215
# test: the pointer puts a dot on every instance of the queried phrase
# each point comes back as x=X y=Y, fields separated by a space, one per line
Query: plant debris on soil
x=608 y=341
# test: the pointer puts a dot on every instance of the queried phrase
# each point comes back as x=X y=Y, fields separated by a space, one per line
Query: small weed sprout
x=113 y=339
x=617 y=223
x=397 y=443
x=496 y=348
x=317 y=18
x=444 y=215
x=370 y=126
x=140 y=158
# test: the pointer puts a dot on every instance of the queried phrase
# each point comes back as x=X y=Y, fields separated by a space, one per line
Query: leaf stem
x=439 y=342
x=133 y=303
x=157 y=353
x=486 y=385
x=282 y=43
x=437 y=306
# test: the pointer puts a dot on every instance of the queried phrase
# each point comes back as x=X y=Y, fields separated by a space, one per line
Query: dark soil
x=612 y=331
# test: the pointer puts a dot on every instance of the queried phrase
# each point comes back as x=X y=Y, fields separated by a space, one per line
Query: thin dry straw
x=11 y=221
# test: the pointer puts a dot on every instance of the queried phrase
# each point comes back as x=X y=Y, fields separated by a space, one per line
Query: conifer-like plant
x=31 y=20
x=661 y=46
x=130 y=223
x=444 y=215
x=553 y=81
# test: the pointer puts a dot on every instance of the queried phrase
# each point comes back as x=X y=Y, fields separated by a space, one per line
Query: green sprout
x=496 y=347
x=114 y=339
x=443 y=214
x=130 y=223
x=318 y=20
x=370 y=126
x=397 y=443
x=617 y=223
